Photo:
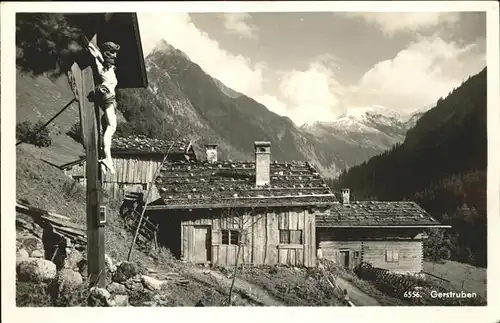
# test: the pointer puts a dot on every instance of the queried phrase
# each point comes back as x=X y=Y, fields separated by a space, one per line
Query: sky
x=316 y=66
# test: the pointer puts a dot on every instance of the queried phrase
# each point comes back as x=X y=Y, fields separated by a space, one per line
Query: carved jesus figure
x=104 y=94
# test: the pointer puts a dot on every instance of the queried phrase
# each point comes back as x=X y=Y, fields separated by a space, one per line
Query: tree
x=444 y=253
x=243 y=221
x=46 y=42
x=433 y=244
x=33 y=134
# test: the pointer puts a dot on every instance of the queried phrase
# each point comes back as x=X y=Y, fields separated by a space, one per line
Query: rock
x=35 y=270
x=155 y=301
x=116 y=288
x=100 y=297
x=109 y=264
x=31 y=244
x=72 y=259
x=134 y=286
x=37 y=254
x=22 y=253
x=67 y=278
x=121 y=300
x=151 y=283
x=125 y=271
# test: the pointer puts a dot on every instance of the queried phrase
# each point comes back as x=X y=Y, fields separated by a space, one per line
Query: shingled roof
x=376 y=214
x=185 y=185
x=143 y=144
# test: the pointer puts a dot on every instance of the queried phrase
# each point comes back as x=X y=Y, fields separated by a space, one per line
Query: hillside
x=442 y=165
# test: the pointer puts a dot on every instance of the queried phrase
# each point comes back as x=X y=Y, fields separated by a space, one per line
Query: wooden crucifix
x=85 y=74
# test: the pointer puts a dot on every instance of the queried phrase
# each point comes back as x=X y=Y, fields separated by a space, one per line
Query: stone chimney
x=346 y=195
x=211 y=151
x=262 y=162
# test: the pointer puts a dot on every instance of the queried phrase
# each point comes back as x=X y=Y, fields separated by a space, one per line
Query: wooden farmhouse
x=207 y=208
x=388 y=235
x=136 y=159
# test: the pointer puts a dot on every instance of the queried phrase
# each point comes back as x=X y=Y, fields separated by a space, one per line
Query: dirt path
x=357 y=296
x=241 y=286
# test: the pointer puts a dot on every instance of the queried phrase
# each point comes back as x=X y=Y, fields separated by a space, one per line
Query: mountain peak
x=166 y=48
x=371 y=110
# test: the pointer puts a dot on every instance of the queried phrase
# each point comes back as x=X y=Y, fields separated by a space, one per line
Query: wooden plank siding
x=333 y=250
x=410 y=255
x=131 y=175
x=374 y=248
x=260 y=234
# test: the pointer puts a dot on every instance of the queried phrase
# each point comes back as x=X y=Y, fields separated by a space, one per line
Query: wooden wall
x=260 y=236
x=372 y=247
x=334 y=251
x=409 y=259
x=130 y=174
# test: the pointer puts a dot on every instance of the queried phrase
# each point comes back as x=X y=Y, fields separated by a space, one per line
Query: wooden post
x=83 y=74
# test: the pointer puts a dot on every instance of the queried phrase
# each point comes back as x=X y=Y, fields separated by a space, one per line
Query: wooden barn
x=136 y=159
x=388 y=235
x=208 y=208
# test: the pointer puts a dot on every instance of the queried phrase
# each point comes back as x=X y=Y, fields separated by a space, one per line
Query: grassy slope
x=39 y=98
x=473 y=278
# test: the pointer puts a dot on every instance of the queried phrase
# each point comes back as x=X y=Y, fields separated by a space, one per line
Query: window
x=230 y=237
x=356 y=254
x=291 y=236
x=391 y=256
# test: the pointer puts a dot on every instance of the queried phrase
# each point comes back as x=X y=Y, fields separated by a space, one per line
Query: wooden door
x=344 y=259
x=202 y=244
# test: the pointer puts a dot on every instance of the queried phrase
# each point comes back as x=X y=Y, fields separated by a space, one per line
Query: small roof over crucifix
x=122 y=29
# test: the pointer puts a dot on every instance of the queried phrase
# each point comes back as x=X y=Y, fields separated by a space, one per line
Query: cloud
x=418 y=75
x=238 y=23
x=235 y=71
x=393 y=22
x=314 y=93
x=273 y=104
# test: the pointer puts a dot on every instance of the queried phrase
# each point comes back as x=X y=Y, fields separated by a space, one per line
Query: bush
x=30 y=294
x=75 y=132
x=444 y=253
x=29 y=133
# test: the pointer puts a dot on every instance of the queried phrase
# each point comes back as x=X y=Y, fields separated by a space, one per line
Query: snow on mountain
x=361 y=133
x=370 y=119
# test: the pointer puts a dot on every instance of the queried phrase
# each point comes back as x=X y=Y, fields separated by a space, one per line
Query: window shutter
x=395 y=255
x=216 y=237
